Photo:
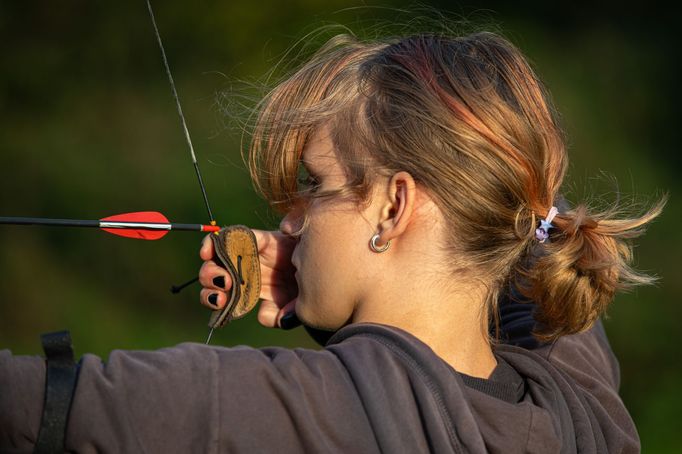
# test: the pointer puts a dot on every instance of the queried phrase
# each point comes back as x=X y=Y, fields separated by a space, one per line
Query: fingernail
x=219 y=281
x=289 y=321
x=213 y=299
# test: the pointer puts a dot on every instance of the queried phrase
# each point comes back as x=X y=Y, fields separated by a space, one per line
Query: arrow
x=141 y=225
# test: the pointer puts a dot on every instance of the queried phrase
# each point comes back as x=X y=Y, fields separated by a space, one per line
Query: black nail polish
x=213 y=298
x=289 y=321
x=219 y=281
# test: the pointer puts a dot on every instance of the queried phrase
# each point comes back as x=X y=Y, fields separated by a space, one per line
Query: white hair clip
x=542 y=232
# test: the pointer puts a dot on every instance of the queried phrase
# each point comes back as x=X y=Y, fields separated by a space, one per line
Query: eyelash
x=308 y=184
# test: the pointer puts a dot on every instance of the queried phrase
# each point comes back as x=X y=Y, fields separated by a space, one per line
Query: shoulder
x=575 y=379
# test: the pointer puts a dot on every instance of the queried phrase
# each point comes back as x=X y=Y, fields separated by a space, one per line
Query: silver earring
x=373 y=244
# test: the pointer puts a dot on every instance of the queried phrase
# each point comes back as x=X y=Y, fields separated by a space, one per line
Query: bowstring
x=184 y=126
x=182 y=116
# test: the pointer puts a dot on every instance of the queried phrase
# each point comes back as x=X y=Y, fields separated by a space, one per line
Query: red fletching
x=140 y=216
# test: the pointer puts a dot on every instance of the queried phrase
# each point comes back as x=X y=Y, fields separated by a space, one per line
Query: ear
x=396 y=213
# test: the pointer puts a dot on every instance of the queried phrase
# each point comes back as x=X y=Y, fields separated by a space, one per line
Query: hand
x=278 y=284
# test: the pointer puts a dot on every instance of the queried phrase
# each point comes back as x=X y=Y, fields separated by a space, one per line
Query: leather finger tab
x=237 y=251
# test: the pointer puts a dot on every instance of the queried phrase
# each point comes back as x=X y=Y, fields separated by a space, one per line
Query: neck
x=451 y=322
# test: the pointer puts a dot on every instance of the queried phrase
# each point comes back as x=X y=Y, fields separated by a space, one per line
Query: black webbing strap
x=60 y=383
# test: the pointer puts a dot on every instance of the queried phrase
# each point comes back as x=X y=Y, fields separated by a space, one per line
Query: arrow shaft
x=45 y=221
x=141 y=225
x=107 y=224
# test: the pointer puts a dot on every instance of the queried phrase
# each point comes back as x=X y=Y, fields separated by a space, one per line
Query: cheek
x=333 y=271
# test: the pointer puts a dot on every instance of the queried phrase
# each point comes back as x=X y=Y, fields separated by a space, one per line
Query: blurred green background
x=88 y=129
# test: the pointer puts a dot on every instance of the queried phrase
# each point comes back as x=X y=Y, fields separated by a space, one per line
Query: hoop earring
x=373 y=244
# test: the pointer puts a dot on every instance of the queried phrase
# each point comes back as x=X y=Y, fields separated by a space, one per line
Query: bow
x=99 y=262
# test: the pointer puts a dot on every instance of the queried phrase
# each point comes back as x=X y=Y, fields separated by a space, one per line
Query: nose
x=291 y=223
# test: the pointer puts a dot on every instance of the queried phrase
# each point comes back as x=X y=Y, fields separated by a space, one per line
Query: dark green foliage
x=89 y=129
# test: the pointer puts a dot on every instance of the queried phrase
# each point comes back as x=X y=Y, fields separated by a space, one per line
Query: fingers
x=262 y=238
x=267 y=314
x=216 y=283
x=270 y=314
x=287 y=316
x=278 y=285
x=206 y=252
x=275 y=249
x=213 y=299
x=212 y=275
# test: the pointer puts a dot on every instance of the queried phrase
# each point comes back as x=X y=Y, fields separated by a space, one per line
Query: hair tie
x=542 y=232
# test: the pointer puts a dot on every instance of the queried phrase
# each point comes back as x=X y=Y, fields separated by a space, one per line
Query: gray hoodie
x=374 y=388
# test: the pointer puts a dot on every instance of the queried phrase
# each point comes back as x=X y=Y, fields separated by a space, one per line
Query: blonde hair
x=467 y=117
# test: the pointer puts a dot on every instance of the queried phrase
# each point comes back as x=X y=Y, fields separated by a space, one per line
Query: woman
x=420 y=180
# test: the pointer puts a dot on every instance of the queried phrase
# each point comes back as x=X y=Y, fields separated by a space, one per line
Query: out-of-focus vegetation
x=88 y=128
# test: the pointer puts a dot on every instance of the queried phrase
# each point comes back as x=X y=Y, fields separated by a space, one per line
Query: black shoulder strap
x=60 y=383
